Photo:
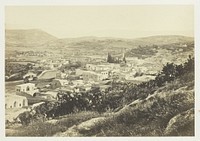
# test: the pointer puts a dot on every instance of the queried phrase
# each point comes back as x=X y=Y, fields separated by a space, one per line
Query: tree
x=169 y=71
x=26 y=79
x=189 y=65
x=25 y=117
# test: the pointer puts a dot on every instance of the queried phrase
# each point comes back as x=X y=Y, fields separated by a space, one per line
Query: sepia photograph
x=99 y=71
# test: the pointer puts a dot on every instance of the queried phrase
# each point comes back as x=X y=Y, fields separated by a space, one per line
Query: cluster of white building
x=109 y=71
x=51 y=63
x=87 y=77
x=19 y=100
x=15 y=101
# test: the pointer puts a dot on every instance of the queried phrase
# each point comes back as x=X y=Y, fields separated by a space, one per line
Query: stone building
x=15 y=101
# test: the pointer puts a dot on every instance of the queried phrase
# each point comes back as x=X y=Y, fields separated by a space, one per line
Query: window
x=20 y=105
x=24 y=102
x=6 y=106
x=15 y=104
x=27 y=88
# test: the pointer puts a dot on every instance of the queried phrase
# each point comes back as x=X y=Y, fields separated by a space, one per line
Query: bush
x=40 y=128
x=118 y=95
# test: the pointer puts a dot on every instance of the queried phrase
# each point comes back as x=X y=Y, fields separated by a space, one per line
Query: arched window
x=34 y=95
x=27 y=88
x=24 y=102
x=15 y=104
x=20 y=104
x=6 y=106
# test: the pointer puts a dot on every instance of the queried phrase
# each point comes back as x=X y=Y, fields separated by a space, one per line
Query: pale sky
x=103 y=21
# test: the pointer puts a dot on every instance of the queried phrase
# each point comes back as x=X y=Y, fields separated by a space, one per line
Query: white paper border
x=4 y=3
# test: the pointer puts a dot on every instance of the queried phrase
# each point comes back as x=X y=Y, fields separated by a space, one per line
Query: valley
x=98 y=86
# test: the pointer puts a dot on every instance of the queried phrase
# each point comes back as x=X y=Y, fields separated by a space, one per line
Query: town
x=56 y=77
x=93 y=71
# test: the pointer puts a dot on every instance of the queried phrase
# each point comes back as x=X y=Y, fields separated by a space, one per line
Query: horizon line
x=95 y=36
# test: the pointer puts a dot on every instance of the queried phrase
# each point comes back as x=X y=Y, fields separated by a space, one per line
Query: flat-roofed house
x=28 y=88
x=102 y=67
x=95 y=76
x=104 y=75
x=15 y=101
x=90 y=75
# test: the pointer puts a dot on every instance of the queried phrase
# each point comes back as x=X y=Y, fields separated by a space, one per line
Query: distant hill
x=108 y=42
x=35 y=39
x=37 y=36
x=163 y=39
x=32 y=37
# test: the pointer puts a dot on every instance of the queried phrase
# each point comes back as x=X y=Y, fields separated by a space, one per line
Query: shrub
x=119 y=94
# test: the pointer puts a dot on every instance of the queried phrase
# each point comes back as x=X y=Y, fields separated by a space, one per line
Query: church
x=120 y=58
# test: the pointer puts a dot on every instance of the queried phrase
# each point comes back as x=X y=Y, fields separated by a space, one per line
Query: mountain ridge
x=27 y=37
x=96 y=37
x=34 y=39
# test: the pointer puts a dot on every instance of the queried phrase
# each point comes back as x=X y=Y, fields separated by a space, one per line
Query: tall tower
x=123 y=57
x=109 y=58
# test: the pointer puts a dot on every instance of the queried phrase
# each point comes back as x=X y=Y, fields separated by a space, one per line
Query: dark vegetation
x=71 y=66
x=146 y=51
x=143 y=52
x=176 y=46
x=151 y=117
x=41 y=128
x=169 y=111
x=16 y=71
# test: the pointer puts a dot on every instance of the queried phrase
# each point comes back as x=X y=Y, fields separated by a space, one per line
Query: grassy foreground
x=49 y=128
x=169 y=111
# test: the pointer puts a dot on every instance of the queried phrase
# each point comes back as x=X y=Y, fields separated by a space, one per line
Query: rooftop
x=26 y=84
x=61 y=80
x=47 y=74
x=9 y=96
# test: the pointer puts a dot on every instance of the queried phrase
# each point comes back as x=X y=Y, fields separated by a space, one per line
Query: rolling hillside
x=100 y=43
x=32 y=37
x=27 y=39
